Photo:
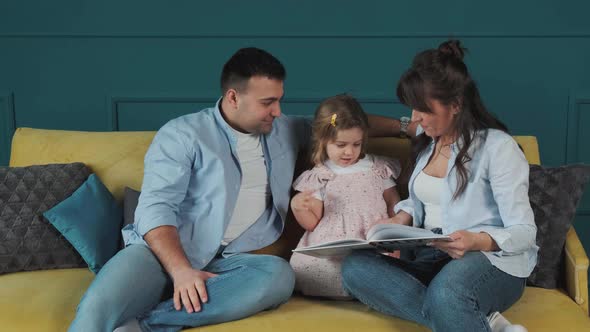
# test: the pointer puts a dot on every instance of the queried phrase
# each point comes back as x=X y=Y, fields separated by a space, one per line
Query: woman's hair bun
x=452 y=48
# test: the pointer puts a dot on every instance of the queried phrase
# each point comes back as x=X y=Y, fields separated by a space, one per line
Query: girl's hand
x=465 y=241
x=302 y=201
x=397 y=219
x=384 y=221
x=307 y=209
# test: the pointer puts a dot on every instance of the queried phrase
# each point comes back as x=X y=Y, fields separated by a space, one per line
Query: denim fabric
x=432 y=289
x=246 y=284
x=133 y=282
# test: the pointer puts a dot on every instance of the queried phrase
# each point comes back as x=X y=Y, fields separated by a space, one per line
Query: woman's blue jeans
x=133 y=283
x=432 y=289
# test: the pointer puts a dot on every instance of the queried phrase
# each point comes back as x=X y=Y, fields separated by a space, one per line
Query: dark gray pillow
x=554 y=194
x=129 y=205
x=28 y=241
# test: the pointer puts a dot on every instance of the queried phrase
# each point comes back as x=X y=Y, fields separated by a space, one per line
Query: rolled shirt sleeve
x=509 y=180
x=168 y=163
x=407 y=205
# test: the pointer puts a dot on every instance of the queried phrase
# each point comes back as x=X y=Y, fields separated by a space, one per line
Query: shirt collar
x=227 y=129
x=456 y=146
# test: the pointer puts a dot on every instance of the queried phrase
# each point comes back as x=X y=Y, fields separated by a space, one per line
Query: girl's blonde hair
x=333 y=114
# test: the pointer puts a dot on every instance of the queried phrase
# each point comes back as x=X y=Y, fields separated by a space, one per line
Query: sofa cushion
x=27 y=240
x=116 y=157
x=554 y=194
x=304 y=314
x=91 y=220
x=25 y=295
x=41 y=300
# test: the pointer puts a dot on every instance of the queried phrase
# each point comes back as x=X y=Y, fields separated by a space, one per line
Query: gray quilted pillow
x=554 y=194
x=28 y=241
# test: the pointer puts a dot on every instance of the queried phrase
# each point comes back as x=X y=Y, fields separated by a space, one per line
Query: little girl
x=345 y=194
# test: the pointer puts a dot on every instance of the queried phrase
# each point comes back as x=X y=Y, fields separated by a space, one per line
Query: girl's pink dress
x=352 y=204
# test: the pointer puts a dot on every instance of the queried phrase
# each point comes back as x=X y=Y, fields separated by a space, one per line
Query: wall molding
x=7 y=116
x=438 y=35
x=114 y=103
x=577 y=101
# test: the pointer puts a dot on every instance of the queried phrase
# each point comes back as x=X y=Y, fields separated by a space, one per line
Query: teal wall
x=132 y=65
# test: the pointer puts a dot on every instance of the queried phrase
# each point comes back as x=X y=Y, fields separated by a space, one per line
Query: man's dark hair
x=249 y=62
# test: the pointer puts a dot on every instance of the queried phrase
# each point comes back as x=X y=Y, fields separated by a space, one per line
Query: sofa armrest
x=576 y=270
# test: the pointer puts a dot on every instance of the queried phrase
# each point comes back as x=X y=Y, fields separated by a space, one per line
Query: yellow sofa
x=46 y=300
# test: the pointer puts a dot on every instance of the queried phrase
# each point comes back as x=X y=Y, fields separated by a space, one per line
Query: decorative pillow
x=554 y=194
x=27 y=241
x=91 y=220
x=129 y=205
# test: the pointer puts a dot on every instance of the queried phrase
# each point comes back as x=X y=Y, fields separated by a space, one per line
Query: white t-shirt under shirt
x=428 y=189
x=254 y=195
x=362 y=165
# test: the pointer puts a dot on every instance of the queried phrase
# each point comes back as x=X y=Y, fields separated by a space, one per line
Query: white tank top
x=428 y=191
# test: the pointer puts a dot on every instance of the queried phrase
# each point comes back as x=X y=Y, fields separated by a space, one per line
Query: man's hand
x=189 y=288
x=189 y=284
x=302 y=201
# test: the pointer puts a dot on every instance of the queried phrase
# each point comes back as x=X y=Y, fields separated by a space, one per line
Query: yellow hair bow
x=333 y=121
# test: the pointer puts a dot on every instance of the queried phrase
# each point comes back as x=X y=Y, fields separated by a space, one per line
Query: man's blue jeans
x=133 y=282
x=434 y=290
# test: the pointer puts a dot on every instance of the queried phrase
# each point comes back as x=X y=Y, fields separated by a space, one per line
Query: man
x=216 y=186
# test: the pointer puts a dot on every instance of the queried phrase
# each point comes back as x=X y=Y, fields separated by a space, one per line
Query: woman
x=470 y=181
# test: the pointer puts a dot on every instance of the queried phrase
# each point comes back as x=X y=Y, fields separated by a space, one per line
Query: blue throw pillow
x=90 y=219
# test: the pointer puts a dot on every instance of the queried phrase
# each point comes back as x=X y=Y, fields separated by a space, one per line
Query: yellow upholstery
x=576 y=270
x=116 y=157
x=41 y=300
x=531 y=148
x=539 y=310
x=46 y=300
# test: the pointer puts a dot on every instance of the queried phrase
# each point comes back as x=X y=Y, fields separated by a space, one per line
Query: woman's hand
x=394 y=254
x=465 y=241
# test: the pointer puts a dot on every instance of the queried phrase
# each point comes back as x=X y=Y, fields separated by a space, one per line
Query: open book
x=385 y=237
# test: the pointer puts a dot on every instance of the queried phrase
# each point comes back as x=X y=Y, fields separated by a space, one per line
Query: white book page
x=337 y=243
x=396 y=231
x=334 y=250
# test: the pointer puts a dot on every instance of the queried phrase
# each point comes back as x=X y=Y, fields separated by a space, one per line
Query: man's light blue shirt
x=192 y=178
x=495 y=200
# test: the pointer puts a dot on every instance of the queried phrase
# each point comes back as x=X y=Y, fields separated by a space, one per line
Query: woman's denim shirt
x=495 y=199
